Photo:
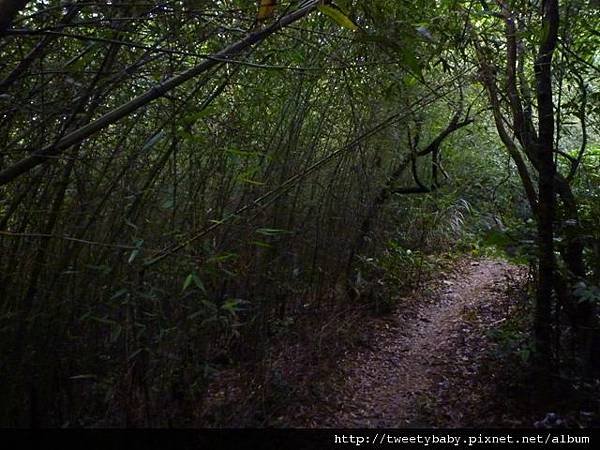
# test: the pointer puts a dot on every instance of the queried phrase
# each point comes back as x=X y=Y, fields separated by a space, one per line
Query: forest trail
x=419 y=367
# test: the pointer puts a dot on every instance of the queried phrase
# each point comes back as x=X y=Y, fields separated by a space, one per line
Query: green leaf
x=136 y=251
x=338 y=16
x=194 y=278
x=188 y=281
x=233 y=305
x=248 y=176
x=249 y=181
x=271 y=231
x=261 y=244
x=221 y=258
x=198 y=283
x=119 y=293
x=154 y=139
x=133 y=254
x=87 y=376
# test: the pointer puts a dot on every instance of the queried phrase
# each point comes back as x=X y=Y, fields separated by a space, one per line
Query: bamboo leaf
x=198 y=282
x=249 y=181
x=188 y=281
x=271 y=231
x=138 y=245
x=338 y=16
x=194 y=278
x=154 y=139
x=87 y=376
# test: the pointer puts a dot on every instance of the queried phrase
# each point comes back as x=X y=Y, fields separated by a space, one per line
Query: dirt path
x=413 y=361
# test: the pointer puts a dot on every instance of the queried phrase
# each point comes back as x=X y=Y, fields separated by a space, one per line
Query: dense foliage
x=170 y=203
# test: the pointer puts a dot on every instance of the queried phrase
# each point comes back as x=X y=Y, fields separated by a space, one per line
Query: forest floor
x=452 y=353
x=427 y=364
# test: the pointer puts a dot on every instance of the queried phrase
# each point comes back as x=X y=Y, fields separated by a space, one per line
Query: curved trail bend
x=421 y=354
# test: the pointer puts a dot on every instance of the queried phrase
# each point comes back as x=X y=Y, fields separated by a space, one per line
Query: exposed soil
x=422 y=365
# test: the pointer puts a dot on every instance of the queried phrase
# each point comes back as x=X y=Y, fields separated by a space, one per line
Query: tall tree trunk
x=546 y=176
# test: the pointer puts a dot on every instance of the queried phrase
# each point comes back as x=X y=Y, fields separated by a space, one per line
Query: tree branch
x=158 y=91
